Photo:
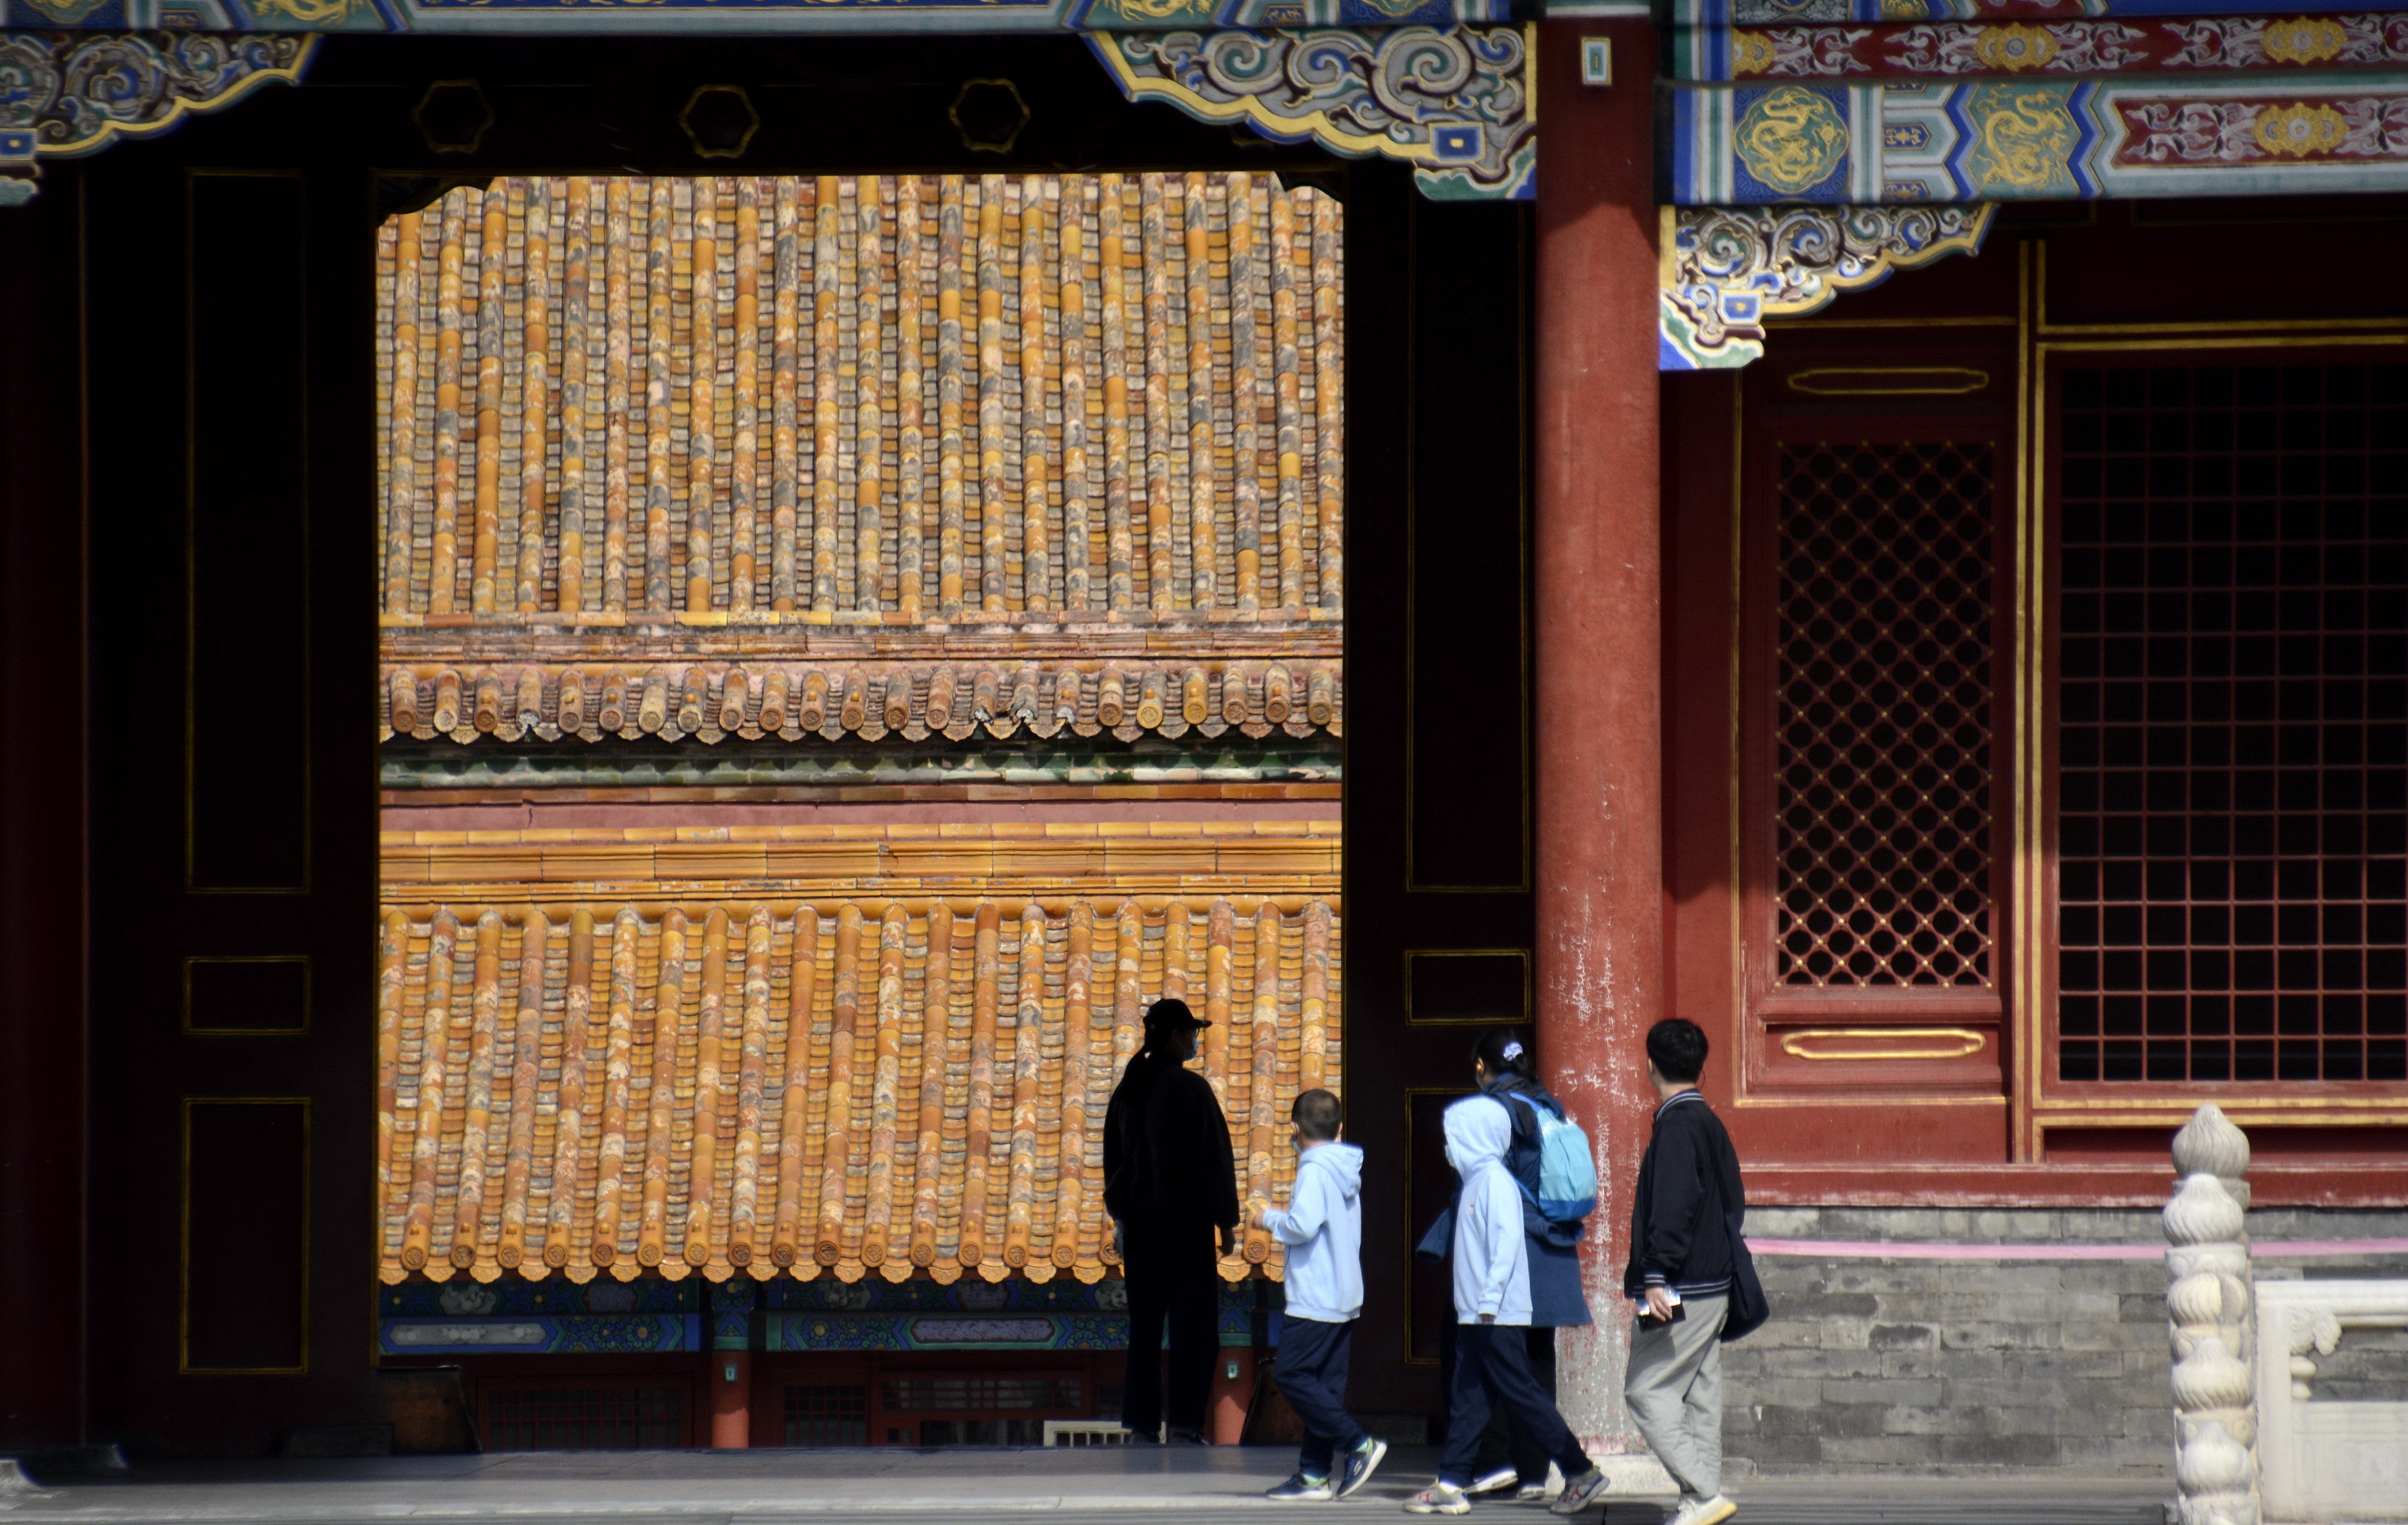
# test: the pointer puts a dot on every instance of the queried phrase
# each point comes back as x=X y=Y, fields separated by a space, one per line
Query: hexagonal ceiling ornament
x=719 y=121
x=990 y=114
x=453 y=116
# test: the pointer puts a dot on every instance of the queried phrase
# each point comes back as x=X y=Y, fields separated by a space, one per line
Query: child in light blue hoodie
x=1323 y=1229
x=1492 y=1307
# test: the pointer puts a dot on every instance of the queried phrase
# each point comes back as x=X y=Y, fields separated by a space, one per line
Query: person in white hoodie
x=1492 y=1308
x=1322 y=1226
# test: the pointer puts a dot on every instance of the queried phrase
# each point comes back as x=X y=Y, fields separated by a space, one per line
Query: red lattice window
x=982 y=1392
x=2233 y=723
x=1882 y=814
x=980 y=1408
x=828 y=1414
x=585 y=1416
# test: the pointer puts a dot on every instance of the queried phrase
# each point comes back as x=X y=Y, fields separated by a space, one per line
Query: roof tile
x=730 y=1086
x=837 y=516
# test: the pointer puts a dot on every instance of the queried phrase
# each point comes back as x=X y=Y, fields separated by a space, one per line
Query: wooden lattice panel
x=2233 y=723
x=889 y=400
x=774 y=1079
x=1882 y=717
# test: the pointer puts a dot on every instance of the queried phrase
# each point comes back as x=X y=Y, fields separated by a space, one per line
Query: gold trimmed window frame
x=2039 y=1100
x=1751 y=1016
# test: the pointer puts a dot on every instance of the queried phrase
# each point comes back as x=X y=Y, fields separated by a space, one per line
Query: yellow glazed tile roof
x=814 y=407
x=773 y=1081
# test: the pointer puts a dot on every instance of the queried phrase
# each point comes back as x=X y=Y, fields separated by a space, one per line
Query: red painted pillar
x=1598 y=674
x=1233 y=1389
x=731 y=1399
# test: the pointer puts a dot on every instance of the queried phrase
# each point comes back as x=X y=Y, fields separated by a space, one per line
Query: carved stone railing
x=2212 y=1317
x=2326 y=1457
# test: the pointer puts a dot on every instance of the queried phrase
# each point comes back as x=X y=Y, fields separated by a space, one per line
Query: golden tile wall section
x=1127 y=858
x=766 y=1079
x=861 y=401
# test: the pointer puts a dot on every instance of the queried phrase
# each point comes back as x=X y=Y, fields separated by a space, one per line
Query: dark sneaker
x=1439 y=1499
x=1493 y=1482
x=1361 y=1462
x=1579 y=1493
x=1180 y=1435
x=1301 y=1489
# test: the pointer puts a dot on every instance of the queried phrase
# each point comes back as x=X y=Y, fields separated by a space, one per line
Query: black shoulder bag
x=1748 y=1309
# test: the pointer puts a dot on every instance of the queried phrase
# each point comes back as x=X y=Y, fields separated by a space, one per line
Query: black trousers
x=1492 y=1371
x=1310 y=1372
x=1172 y=1280
x=1507 y=1441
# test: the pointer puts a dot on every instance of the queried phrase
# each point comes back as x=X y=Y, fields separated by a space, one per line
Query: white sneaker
x=1541 y=1491
x=1493 y=1482
x=1711 y=1511
x=1439 y=1499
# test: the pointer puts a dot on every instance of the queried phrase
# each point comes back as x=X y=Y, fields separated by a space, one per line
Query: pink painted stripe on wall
x=1845 y=1249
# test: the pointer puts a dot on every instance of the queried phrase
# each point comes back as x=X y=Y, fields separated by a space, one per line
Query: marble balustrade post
x=2211 y=1314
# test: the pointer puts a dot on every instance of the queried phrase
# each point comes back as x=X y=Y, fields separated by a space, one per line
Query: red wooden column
x=731 y=1399
x=1599 y=672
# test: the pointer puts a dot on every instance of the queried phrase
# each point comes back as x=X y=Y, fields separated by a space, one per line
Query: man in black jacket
x=1680 y=1275
x=1170 y=1182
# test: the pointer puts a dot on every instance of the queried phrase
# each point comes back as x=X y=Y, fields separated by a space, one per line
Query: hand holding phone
x=1661 y=1306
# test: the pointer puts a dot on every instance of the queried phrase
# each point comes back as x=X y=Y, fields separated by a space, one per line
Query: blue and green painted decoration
x=1829 y=144
x=602 y=17
x=651 y=1315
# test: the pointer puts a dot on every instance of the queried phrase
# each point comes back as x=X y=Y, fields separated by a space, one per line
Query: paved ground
x=1069 y=1487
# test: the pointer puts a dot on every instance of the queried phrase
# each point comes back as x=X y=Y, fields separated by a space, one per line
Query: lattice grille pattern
x=2234 y=725
x=828 y=1414
x=1882 y=808
x=983 y=1394
x=591 y=1419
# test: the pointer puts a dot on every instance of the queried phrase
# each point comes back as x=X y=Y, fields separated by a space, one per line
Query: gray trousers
x=1675 y=1387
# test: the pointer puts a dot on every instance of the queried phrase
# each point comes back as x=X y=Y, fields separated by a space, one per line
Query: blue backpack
x=1567 y=1169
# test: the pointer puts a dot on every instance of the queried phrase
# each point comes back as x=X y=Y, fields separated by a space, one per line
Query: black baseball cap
x=1170 y=1014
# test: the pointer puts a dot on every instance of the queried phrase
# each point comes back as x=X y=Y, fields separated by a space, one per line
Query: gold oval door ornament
x=1947 y=1042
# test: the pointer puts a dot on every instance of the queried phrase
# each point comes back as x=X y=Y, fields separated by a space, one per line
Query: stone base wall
x=1969 y=1366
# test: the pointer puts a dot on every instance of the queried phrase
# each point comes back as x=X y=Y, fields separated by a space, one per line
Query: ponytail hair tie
x=1514 y=1050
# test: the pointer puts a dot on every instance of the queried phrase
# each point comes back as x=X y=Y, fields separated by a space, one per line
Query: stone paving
x=1073 y=1487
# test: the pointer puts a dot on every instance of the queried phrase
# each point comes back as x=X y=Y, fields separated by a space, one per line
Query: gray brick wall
x=1969 y=1366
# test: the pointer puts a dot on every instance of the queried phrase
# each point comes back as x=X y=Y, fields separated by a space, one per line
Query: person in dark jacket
x=1171 y=1184
x=1505 y=1068
x=1680 y=1275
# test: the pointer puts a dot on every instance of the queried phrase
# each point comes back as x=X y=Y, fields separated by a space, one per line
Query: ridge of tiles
x=712 y=701
x=861 y=401
x=740 y=1086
